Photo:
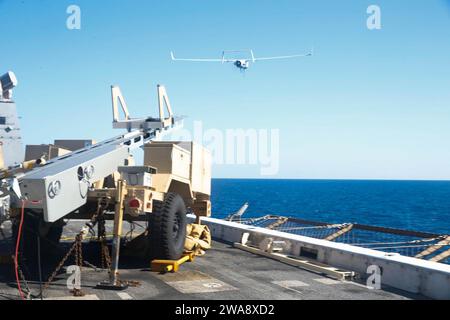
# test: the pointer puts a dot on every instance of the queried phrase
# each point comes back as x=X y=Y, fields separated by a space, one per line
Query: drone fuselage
x=242 y=64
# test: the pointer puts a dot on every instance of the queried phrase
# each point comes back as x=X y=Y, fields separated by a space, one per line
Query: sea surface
x=411 y=205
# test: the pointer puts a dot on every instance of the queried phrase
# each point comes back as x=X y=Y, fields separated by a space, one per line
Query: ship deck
x=224 y=273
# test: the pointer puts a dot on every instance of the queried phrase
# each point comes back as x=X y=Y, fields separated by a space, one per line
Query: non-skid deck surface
x=224 y=273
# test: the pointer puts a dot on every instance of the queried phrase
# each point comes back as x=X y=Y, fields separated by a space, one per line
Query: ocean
x=410 y=205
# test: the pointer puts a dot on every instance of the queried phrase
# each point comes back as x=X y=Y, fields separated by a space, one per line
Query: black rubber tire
x=34 y=225
x=167 y=228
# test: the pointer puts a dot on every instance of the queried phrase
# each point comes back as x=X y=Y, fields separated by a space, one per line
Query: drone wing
x=195 y=60
x=284 y=57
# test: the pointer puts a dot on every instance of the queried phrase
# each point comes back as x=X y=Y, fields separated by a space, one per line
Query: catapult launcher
x=99 y=181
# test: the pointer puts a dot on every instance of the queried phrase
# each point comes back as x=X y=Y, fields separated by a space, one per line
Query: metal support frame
x=163 y=100
x=118 y=220
x=148 y=123
x=117 y=96
x=114 y=283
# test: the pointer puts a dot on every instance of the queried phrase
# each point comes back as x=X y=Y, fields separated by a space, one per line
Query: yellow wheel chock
x=171 y=265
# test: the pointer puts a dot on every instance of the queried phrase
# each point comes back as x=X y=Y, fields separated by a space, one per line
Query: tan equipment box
x=33 y=152
x=185 y=160
x=200 y=169
x=168 y=158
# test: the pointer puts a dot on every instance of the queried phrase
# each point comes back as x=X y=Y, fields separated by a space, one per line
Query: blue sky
x=369 y=104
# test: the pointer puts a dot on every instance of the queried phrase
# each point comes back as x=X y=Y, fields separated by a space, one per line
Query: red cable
x=16 y=263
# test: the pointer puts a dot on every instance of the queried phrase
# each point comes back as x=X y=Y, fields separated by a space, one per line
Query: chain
x=79 y=256
x=102 y=254
x=22 y=277
x=106 y=258
x=77 y=250
x=74 y=247
x=104 y=251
